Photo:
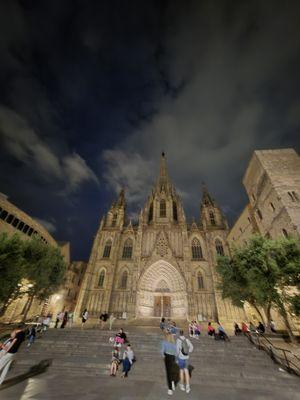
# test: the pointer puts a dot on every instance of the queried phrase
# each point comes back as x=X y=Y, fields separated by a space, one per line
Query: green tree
x=45 y=270
x=12 y=269
x=234 y=283
x=270 y=268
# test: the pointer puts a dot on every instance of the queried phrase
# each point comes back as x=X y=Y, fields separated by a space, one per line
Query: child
x=115 y=361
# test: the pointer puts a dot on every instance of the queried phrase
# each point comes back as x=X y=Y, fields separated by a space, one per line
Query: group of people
x=63 y=318
x=176 y=349
x=126 y=359
x=260 y=328
x=219 y=333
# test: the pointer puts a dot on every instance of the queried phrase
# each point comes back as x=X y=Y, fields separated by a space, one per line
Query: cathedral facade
x=161 y=266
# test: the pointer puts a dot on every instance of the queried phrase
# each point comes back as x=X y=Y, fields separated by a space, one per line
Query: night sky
x=91 y=92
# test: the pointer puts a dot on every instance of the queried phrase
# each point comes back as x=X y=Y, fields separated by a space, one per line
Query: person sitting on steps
x=210 y=330
x=115 y=361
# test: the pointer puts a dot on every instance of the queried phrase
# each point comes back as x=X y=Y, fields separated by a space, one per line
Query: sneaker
x=173 y=385
x=188 y=389
x=181 y=387
x=170 y=392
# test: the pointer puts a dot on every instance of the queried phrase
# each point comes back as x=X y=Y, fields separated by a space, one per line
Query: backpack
x=184 y=347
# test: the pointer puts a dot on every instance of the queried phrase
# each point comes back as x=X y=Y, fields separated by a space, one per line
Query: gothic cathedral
x=161 y=266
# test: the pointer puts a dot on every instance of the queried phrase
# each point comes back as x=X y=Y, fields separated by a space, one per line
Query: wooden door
x=157 y=306
x=167 y=306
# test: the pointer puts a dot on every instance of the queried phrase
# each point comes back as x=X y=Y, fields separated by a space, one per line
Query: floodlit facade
x=162 y=266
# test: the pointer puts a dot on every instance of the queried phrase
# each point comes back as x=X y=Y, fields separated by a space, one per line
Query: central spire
x=163 y=173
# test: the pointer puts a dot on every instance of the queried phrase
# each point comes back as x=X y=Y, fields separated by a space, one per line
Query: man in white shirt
x=183 y=348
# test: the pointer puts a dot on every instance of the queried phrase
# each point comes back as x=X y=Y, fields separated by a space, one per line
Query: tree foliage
x=45 y=268
x=12 y=268
x=263 y=273
x=40 y=264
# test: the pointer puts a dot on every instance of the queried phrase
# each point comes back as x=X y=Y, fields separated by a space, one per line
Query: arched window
x=101 y=279
x=212 y=218
x=196 y=250
x=127 y=249
x=175 y=216
x=124 y=278
x=114 y=219
x=219 y=247
x=285 y=234
x=150 y=217
x=107 y=249
x=200 y=281
x=162 y=209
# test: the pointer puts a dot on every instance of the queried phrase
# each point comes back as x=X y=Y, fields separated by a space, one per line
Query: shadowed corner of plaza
x=35 y=370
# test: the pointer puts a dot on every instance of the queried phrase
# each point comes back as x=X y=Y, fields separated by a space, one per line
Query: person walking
x=84 y=317
x=70 y=319
x=65 y=320
x=10 y=350
x=168 y=352
x=128 y=359
x=111 y=321
x=272 y=326
x=31 y=335
x=183 y=348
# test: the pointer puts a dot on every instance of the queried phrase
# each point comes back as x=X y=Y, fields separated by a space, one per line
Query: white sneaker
x=170 y=392
x=188 y=389
x=173 y=385
x=182 y=387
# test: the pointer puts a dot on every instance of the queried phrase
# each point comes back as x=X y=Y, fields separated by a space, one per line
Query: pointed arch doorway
x=162 y=292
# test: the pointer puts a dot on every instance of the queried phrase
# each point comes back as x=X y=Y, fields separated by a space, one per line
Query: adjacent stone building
x=161 y=266
x=272 y=183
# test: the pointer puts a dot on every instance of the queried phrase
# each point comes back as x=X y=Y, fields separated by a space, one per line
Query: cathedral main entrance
x=162 y=292
x=162 y=306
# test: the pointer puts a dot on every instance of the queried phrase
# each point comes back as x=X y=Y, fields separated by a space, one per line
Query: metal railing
x=286 y=358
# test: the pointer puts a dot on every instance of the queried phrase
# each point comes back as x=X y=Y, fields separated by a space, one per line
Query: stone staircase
x=86 y=353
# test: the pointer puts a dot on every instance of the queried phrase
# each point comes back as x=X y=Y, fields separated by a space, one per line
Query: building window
x=212 y=218
x=114 y=220
x=30 y=232
x=107 y=248
x=272 y=206
x=15 y=222
x=175 y=214
x=285 y=234
x=200 y=281
x=259 y=214
x=253 y=197
x=241 y=230
x=163 y=209
x=219 y=247
x=101 y=279
x=127 y=249
x=25 y=229
x=9 y=219
x=124 y=280
x=196 y=250
x=20 y=226
x=150 y=217
x=249 y=220
x=3 y=214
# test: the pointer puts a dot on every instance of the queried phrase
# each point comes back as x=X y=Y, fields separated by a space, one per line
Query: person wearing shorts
x=183 y=361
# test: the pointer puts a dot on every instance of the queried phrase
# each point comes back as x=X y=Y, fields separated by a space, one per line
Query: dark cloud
x=92 y=92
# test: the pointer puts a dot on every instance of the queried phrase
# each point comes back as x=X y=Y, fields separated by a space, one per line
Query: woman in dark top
x=65 y=320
